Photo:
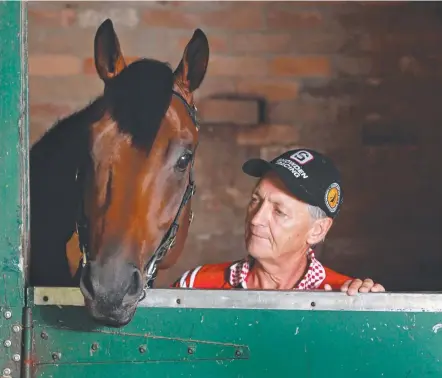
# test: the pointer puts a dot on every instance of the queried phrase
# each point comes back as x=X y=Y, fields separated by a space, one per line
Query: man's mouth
x=258 y=236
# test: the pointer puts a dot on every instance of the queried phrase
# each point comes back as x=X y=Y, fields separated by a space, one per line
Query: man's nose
x=260 y=215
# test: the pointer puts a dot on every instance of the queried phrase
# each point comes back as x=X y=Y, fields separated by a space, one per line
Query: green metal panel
x=192 y=333
x=13 y=183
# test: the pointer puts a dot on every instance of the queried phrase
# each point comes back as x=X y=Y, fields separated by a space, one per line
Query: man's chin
x=260 y=249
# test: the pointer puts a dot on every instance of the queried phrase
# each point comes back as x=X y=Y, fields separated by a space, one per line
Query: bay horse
x=118 y=174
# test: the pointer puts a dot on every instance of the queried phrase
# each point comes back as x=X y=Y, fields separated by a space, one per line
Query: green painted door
x=185 y=333
x=13 y=183
x=195 y=333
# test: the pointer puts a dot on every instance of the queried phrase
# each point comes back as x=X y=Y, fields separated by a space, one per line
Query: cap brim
x=259 y=167
x=256 y=167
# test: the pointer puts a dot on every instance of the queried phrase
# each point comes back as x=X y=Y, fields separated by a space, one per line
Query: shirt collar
x=312 y=279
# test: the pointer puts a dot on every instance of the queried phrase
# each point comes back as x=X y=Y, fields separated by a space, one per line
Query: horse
x=117 y=175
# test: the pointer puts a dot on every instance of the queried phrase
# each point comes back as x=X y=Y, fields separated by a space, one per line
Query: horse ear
x=193 y=66
x=109 y=60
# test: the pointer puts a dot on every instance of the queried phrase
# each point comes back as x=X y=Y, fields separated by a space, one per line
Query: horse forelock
x=138 y=98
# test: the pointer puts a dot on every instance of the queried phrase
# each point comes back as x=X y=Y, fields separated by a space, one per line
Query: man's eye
x=279 y=212
x=183 y=161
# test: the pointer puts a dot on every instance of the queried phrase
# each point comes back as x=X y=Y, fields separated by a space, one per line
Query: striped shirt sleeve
x=187 y=280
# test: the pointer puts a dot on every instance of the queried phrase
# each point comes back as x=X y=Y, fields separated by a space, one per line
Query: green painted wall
x=13 y=184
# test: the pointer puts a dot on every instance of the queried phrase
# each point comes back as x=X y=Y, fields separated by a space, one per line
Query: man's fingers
x=344 y=287
x=366 y=286
x=327 y=287
x=377 y=288
x=354 y=287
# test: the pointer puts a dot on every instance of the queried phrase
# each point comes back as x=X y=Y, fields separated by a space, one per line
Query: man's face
x=276 y=223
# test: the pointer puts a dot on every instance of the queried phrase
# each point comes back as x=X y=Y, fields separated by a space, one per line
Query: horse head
x=137 y=181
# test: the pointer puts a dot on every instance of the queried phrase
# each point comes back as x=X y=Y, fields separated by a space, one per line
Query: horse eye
x=183 y=161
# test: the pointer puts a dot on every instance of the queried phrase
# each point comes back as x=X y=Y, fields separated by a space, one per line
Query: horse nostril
x=108 y=285
x=135 y=285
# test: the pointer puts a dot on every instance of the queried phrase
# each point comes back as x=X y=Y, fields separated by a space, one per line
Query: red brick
x=270 y=152
x=267 y=135
x=37 y=128
x=50 y=110
x=76 y=90
x=217 y=43
x=54 y=65
x=318 y=41
x=229 y=111
x=279 y=19
x=171 y=19
x=353 y=66
x=330 y=135
x=308 y=111
x=381 y=3
x=89 y=64
x=262 y=43
x=60 y=41
x=52 y=17
x=317 y=4
x=213 y=85
x=271 y=90
x=242 y=18
x=407 y=40
x=220 y=65
x=300 y=66
x=194 y=5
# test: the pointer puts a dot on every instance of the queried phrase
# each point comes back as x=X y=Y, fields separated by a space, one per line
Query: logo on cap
x=302 y=157
x=332 y=196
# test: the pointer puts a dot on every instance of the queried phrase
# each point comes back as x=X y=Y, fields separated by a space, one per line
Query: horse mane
x=137 y=99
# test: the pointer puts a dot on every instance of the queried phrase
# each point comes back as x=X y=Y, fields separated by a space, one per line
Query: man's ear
x=192 y=68
x=109 y=60
x=319 y=230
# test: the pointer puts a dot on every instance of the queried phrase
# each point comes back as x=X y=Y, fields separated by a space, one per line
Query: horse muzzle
x=111 y=290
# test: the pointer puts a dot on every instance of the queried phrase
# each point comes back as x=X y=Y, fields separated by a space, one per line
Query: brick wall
x=361 y=82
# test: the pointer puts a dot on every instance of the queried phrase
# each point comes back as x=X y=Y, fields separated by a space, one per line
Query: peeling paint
x=436 y=327
x=21 y=263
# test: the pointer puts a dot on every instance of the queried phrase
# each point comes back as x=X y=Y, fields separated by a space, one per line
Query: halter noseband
x=169 y=238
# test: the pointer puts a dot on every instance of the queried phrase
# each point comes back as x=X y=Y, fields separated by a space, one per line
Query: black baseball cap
x=307 y=174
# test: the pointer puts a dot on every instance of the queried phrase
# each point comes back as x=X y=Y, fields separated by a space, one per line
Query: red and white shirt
x=234 y=275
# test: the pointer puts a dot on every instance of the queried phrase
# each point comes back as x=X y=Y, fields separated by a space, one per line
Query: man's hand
x=352 y=287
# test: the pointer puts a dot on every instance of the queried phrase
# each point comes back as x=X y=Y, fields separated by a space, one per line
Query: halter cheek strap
x=169 y=238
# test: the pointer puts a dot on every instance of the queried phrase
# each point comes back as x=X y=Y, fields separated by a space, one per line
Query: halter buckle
x=84 y=259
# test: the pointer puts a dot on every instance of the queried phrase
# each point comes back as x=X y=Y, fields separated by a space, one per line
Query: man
x=291 y=210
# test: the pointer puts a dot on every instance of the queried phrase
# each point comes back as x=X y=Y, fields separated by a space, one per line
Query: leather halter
x=169 y=238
